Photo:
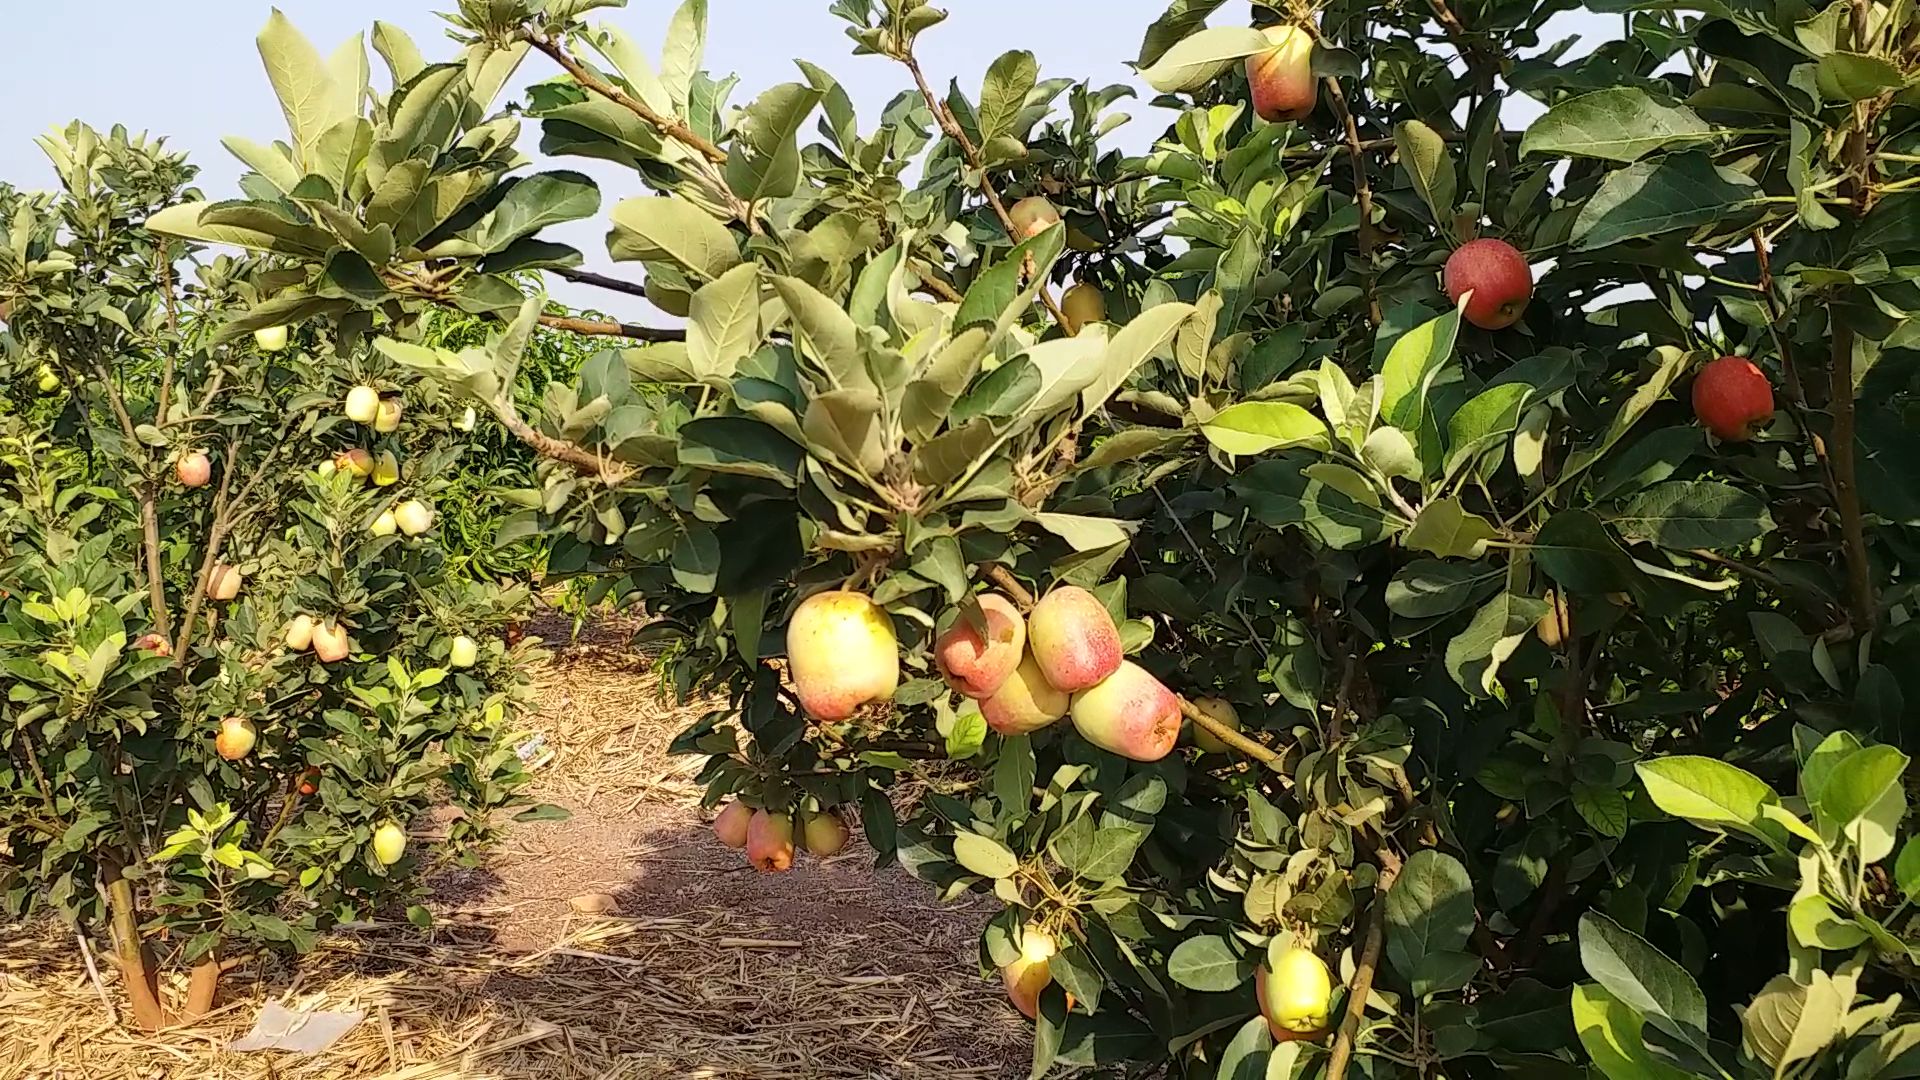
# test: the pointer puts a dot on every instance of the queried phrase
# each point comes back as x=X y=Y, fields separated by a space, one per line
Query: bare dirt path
x=704 y=969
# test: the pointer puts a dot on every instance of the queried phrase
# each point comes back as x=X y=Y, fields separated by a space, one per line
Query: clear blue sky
x=196 y=78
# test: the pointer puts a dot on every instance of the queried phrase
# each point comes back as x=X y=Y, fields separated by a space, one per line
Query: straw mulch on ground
x=701 y=969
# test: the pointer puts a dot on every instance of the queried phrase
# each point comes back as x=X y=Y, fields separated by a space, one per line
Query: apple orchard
x=1369 y=587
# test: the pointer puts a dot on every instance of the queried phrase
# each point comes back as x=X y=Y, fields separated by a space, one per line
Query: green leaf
x=1906 y=868
x=1686 y=514
x=828 y=333
x=1429 y=910
x=1474 y=656
x=1428 y=588
x=969 y=732
x=1682 y=191
x=1408 y=373
x=311 y=97
x=1643 y=979
x=666 y=228
x=1815 y=926
x=1083 y=533
x=686 y=45
x=1004 y=94
x=1423 y=153
x=1708 y=792
x=1209 y=964
x=1621 y=123
x=984 y=855
x=1245 y=1056
x=1202 y=57
x=1790 y=1021
x=1448 y=529
x=1604 y=808
x=1610 y=1032
x=1672 y=362
x=1858 y=781
x=1256 y=427
x=764 y=161
x=723 y=322
x=1484 y=421
x=1849 y=76
x=534 y=203
x=1131 y=346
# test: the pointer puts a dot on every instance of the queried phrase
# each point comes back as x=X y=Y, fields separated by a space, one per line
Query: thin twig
x=599 y=281
x=1859 y=188
x=1362 y=189
x=93 y=976
x=667 y=125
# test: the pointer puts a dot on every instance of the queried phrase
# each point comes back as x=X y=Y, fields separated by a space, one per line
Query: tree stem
x=136 y=969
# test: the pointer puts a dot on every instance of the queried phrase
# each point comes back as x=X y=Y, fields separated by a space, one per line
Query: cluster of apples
x=769 y=837
x=1083 y=302
x=1026 y=673
x=364 y=405
x=327 y=639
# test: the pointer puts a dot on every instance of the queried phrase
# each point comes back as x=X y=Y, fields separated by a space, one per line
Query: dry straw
x=714 y=972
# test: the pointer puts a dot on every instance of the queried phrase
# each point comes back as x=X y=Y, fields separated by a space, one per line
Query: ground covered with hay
x=698 y=967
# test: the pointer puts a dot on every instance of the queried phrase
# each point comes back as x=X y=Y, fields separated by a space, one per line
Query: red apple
x=1733 y=398
x=1497 y=275
x=194 y=470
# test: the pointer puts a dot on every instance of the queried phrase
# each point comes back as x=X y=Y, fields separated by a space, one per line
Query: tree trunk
x=136 y=966
x=202 y=986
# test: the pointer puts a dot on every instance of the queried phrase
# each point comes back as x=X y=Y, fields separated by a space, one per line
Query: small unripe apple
x=387 y=418
x=236 y=738
x=330 y=642
x=823 y=834
x=384 y=525
x=467 y=419
x=413 y=516
x=1496 y=274
x=49 y=380
x=193 y=469
x=1733 y=398
x=389 y=843
x=1032 y=216
x=731 y=826
x=356 y=462
x=363 y=404
x=300 y=633
x=1082 y=304
x=224 y=582
x=1295 y=996
x=1280 y=79
x=271 y=338
x=1027 y=978
x=1216 y=709
x=463 y=652
x=386 y=469
x=155 y=644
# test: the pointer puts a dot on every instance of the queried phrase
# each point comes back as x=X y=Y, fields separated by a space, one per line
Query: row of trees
x=1558 y=695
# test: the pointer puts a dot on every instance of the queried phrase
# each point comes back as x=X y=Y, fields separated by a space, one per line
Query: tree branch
x=1859 y=188
x=599 y=281
x=586 y=463
x=597 y=328
x=1368 y=963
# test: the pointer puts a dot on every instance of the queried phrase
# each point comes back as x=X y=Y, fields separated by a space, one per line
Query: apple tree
x=235 y=670
x=1379 y=587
